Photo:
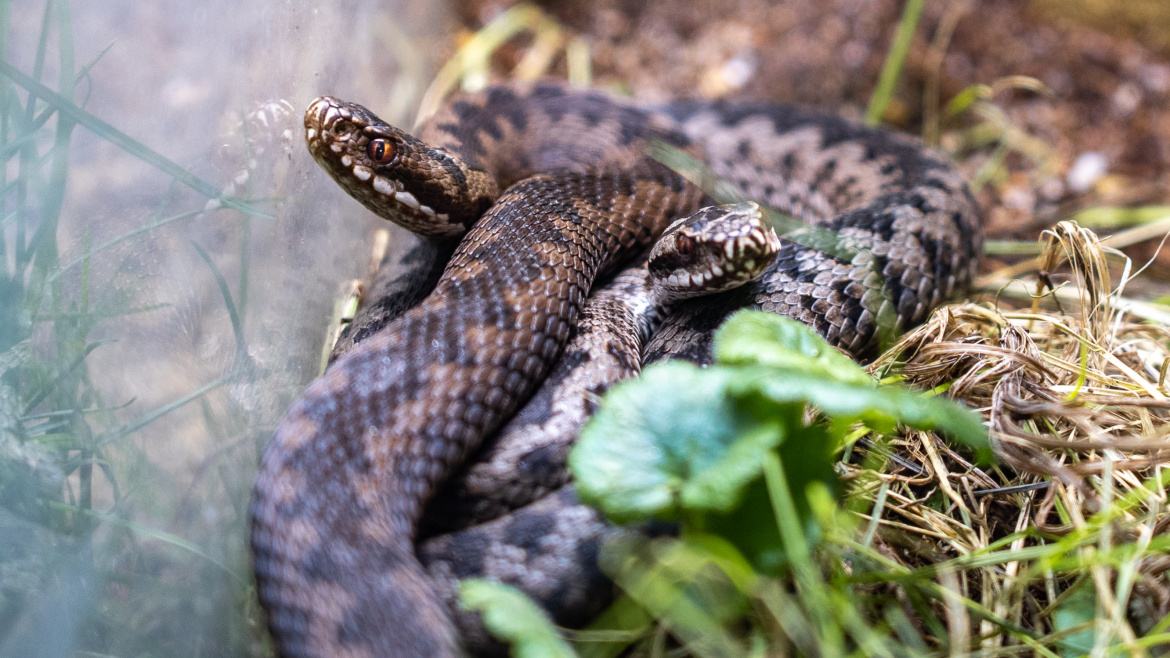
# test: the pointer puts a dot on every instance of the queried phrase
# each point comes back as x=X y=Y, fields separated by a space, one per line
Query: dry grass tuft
x=1074 y=392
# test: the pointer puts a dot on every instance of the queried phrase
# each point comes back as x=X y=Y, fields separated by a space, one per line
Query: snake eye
x=381 y=151
x=685 y=246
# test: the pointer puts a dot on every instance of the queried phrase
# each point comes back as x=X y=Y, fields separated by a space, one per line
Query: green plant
x=732 y=455
x=802 y=533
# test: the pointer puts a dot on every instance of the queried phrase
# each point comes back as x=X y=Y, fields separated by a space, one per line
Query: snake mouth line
x=749 y=259
x=392 y=190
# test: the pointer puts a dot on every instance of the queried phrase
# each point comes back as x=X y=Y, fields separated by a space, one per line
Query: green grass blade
x=29 y=131
x=892 y=69
x=121 y=238
x=152 y=533
x=233 y=313
x=1010 y=248
x=130 y=428
x=105 y=314
x=109 y=132
x=40 y=396
x=808 y=577
x=44 y=240
x=92 y=63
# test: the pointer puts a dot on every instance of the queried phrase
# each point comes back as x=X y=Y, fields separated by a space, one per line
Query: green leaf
x=965 y=98
x=673 y=440
x=879 y=408
x=511 y=617
x=807 y=456
x=768 y=339
x=1079 y=608
x=751 y=528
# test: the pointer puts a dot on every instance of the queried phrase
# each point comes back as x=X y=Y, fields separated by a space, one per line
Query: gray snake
x=342 y=485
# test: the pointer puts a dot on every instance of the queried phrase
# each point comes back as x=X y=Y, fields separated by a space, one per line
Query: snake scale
x=342 y=485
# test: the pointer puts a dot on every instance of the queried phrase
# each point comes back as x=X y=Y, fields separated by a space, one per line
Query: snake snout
x=330 y=121
x=321 y=113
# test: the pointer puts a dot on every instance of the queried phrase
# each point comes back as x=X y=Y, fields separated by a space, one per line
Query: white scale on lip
x=384 y=186
x=389 y=188
x=407 y=199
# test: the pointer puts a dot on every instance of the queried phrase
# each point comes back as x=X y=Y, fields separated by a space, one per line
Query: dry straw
x=1074 y=392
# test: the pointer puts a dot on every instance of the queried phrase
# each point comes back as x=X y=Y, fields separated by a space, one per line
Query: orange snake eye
x=685 y=245
x=381 y=151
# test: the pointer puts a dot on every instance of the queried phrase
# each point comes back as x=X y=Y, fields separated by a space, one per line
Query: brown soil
x=1108 y=95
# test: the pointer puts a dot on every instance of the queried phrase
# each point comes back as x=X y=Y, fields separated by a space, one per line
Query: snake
x=341 y=487
x=511 y=515
x=716 y=249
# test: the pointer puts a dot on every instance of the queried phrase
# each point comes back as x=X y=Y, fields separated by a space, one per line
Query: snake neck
x=400 y=284
x=439 y=183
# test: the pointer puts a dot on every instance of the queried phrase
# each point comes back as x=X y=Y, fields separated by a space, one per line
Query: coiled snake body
x=342 y=485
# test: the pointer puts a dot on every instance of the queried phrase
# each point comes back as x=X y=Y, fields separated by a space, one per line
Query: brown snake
x=499 y=521
x=341 y=487
x=716 y=249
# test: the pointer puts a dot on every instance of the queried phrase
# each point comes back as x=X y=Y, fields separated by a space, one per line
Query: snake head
x=398 y=177
x=714 y=249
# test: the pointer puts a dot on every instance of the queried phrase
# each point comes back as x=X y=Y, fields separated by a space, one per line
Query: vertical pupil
x=381 y=151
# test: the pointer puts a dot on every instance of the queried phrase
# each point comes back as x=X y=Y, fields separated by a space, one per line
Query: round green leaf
x=879 y=408
x=768 y=339
x=671 y=441
x=513 y=618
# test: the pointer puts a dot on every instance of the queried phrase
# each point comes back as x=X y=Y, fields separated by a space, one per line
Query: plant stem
x=892 y=69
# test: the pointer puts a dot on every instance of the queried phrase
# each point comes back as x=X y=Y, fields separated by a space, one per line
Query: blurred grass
x=470 y=65
x=895 y=58
x=88 y=565
x=1147 y=21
